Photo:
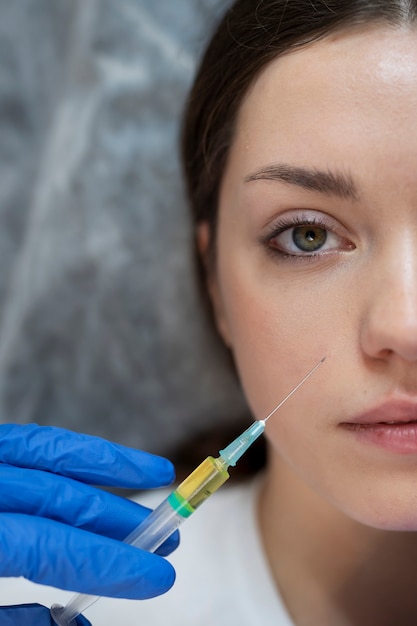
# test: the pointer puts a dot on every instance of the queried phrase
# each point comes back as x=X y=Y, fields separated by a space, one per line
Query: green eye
x=309 y=238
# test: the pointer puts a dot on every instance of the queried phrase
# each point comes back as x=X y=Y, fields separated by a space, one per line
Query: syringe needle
x=294 y=390
x=233 y=452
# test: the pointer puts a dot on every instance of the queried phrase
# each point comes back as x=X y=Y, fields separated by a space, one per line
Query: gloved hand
x=56 y=530
x=31 y=615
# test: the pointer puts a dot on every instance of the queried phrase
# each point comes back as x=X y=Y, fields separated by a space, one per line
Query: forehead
x=356 y=84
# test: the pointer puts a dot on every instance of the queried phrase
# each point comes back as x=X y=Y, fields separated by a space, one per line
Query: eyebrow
x=326 y=182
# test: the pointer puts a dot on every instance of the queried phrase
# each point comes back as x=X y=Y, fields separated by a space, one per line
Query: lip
x=391 y=425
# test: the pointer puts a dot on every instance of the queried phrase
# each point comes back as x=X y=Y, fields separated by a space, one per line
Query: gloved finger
x=54 y=554
x=31 y=615
x=83 y=457
x=42 y=494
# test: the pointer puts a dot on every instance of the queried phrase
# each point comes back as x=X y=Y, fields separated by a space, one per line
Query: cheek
x=277 y=330
x=281 y=322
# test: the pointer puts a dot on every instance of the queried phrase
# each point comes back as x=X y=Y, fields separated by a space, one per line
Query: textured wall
x=100 y=324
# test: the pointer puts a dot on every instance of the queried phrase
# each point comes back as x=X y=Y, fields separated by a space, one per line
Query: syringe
x=180 y=504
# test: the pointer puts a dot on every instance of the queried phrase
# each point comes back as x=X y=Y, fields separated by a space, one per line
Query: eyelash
x=285 y=224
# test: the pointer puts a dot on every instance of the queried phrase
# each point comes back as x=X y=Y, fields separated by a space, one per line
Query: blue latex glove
x=31 y=615
x=56 y=530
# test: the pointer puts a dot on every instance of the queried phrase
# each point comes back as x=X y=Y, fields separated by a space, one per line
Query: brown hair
x=251 y=34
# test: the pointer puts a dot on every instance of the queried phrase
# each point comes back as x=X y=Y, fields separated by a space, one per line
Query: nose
x=390 y=324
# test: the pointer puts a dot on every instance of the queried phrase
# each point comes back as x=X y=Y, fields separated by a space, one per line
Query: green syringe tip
x=232 y=453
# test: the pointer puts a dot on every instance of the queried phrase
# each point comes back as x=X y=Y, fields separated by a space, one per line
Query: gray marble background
x=101 y=329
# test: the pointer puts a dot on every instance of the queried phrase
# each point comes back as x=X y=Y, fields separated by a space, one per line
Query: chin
x=394 y=516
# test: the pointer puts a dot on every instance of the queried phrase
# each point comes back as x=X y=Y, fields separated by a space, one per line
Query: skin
x=334 y=510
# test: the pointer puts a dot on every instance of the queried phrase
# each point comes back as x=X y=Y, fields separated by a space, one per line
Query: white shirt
x=223 y=578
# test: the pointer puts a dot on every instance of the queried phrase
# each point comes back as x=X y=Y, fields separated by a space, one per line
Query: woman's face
x=317 y=256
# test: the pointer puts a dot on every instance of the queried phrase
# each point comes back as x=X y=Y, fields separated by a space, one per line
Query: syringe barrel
x=156 y=527
x=201 y=483
x=159 y=525
x=180 y=504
